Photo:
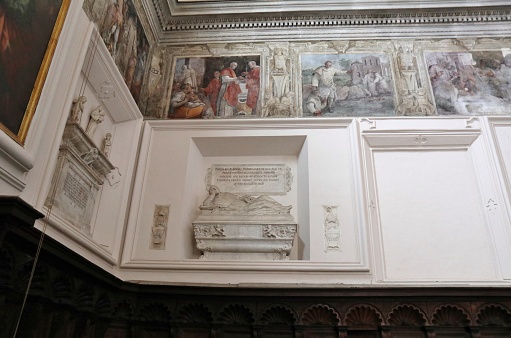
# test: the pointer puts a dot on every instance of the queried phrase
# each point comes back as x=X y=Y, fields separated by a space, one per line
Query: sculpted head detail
x=214 y=189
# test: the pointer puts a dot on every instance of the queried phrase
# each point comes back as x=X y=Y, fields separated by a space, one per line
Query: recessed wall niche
x=174 y=161
x=238 y=151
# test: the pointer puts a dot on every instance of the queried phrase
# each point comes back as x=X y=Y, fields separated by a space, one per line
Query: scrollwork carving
x=332 y=228
x=279 y=231
x=341 y=46
x=208 y=231
x=159 y=228
x=289 y=179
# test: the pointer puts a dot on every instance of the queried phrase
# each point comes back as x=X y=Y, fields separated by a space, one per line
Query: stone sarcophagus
x=232 y=227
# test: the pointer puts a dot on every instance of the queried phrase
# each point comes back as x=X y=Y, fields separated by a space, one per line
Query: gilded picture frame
x=28 y=38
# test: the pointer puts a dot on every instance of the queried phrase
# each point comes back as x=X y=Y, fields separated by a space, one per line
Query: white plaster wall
x=501 y=128
x=498 y=130
x=123 y=120
x=175 y=173
x=174 y=159
x=410 y=213
x=428 y=203
x=27 y=171
x=49 y=119
x=430 y=217
x=331 y=183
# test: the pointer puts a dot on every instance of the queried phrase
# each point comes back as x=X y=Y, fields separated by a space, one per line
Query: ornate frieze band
x=181 y=23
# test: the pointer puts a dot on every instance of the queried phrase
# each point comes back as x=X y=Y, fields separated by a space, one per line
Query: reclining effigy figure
x=226 y=201
x=241 y=227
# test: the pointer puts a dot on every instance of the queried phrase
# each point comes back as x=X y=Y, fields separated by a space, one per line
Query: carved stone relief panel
x=159 y=228
x=332 y=228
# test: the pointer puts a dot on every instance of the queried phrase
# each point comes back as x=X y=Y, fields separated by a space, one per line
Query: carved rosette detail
x=195 y=313
x=494 y=315
x=407 y=315
x=279 y=314
x=208 y=230
x=450 y=316
x=236 y=314
x=320 y=314
x=363 y=316
x=279 y=231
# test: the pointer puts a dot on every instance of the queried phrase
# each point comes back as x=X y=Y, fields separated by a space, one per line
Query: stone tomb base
x=244 y=241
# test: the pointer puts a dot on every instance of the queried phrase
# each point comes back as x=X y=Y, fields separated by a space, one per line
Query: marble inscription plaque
x=267 y=179
x=76 y=191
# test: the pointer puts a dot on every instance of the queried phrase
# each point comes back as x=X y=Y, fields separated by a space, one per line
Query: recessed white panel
x=503 y=135
x=430 y=218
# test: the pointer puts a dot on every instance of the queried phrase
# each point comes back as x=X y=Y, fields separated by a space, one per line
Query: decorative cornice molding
x=238 y=7
x=329 y=20
x=182 y=27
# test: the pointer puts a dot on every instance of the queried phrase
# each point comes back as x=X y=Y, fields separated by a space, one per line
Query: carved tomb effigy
x=243 y=227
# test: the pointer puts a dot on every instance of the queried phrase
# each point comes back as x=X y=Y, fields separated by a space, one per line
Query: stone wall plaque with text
x=266 y=179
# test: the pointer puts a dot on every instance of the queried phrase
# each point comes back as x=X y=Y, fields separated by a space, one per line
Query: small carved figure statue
x=77 y=109
x=96 y=117
x=279 y=61
x=107 y=144
x=405 y=58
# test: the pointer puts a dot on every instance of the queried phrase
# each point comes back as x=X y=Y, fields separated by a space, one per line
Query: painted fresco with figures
x=121 y=31
x=476 y=83
x=215 y=87
x=309 y=78
x=346 y=85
